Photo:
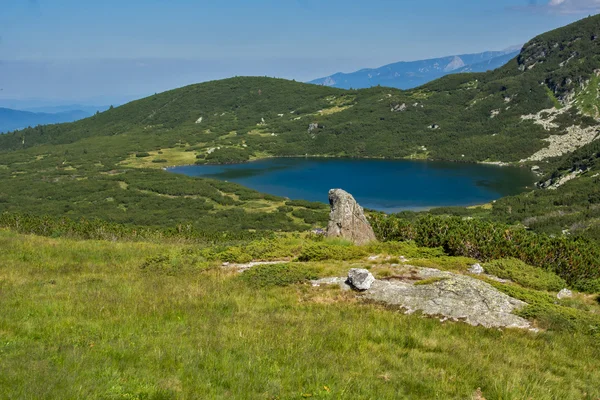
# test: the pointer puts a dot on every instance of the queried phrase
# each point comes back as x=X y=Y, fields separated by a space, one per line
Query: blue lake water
x=377 y=184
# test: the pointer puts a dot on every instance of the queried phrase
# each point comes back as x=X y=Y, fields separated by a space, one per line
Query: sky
x=110 y=51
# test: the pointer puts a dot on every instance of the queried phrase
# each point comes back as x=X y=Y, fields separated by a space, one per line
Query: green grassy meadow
x=100 y=319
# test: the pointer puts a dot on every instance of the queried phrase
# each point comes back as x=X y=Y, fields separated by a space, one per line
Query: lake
x=384 y=185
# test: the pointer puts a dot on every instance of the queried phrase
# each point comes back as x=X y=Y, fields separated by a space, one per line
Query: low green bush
x=175 y=264
x=142 y=154
x=234 y=255
x=314 y=205
x=576 y=260
x=551 y=313
x=407 y=249
x=320 y=251
x=445 y=263
x=525 y=275
x=312 y=217
x=278 y=275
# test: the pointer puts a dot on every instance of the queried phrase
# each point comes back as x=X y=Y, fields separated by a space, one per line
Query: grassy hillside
x=99 y=319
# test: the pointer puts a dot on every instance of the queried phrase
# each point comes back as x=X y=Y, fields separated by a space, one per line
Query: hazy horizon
x=66 y=52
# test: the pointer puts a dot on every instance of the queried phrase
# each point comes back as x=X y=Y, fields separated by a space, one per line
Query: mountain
x=52 y=109
x=538 y=110
x=408 y=75
x=11 y=120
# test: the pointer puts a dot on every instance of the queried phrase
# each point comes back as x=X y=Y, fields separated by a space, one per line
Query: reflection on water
x=229 y=172
x=377 y=184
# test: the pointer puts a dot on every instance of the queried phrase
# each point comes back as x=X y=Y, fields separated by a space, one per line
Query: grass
x=93 y=319
x=587 y=100
x=168 y=156
x=525 y=275
x=278 y=275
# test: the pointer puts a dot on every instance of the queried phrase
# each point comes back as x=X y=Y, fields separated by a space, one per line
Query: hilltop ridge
x=410 y=74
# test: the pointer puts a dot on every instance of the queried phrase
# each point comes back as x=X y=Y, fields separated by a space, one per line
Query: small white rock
x=565 y=294
x=476 y=269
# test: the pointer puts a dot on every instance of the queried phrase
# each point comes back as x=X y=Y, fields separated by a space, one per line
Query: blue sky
x=74 y=50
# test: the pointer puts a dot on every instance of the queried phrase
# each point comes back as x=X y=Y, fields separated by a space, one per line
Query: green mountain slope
x=479 y=116
x=539 y=107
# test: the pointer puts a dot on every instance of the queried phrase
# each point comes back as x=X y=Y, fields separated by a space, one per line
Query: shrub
x=525 y=275
x=159 y=161
x=311 y=217
x=551 y=313
x=174 y=264
x=406 y=249
x=271 y=249
x=277 y=275
x=321 y=251
x=234 y=255
x=314 y=205
x=576 y=260
x=142 y=154
x=445 y=263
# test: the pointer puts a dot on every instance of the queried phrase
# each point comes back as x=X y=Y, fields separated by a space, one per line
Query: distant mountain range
x=11 y=120
x=408 y=75
x=57 y=109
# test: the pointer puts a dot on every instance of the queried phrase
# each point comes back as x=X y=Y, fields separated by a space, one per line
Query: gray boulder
x=565 y=294
x=360 y=279
x=312 y=127
x=347 y=219
x=476 y=269
x=455 y=297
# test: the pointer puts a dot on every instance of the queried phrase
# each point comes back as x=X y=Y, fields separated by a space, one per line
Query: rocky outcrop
x=456 y=63
x=347 y=219
x=558 y=145
x=399 y=107
x=447 y=296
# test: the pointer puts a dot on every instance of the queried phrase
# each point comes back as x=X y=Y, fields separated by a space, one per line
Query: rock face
x=399 y=107
x=347 y=219
x=455 y=297
x=360 y=279
x=439 y=294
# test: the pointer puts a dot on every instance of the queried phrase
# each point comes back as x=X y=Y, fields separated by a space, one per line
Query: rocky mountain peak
x=456 y=63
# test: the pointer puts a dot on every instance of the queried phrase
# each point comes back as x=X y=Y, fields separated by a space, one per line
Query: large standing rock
x=347 y=219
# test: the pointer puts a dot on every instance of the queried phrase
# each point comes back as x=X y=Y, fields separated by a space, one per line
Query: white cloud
x=574 y=6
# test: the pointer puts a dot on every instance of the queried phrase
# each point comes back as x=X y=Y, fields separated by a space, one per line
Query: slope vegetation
x=539 y=107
